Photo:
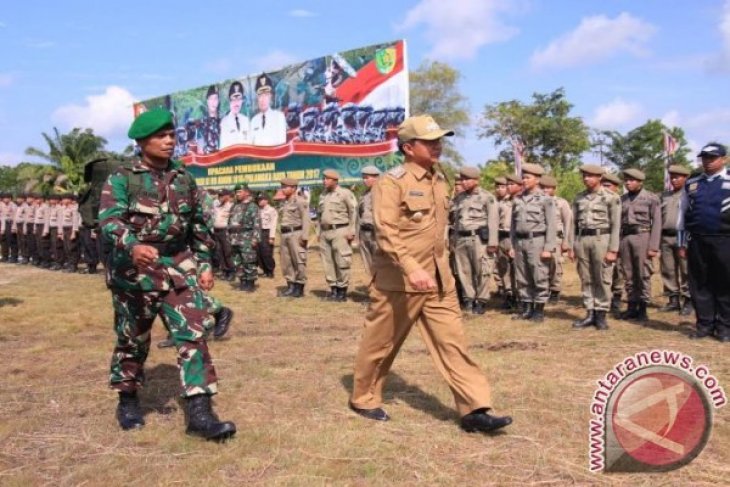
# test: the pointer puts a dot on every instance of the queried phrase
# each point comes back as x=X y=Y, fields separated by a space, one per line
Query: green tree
x=434 y=90
x=643 y=148
x=550 y=136
x=8 y=178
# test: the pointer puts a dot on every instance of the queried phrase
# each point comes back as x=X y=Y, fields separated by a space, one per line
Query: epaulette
x=397 y=171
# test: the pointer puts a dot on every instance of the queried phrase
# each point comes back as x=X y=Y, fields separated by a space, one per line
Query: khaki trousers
x=389 y=320
x=336 y=256
x=674 y=268
x=595 y=274
x=368 y=246
x=637 y=267
x=555 y=268
x=293 y=257
x=474 y=267
x=531 y=272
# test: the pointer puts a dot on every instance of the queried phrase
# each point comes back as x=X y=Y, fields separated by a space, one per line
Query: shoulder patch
x=397 y=172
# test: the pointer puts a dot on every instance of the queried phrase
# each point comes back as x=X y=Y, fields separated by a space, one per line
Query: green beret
x=592 y=169
x=500 y=180
x=469 y=173
x=241 y=186
x=331 y=173
x=677 y=169
x=370 y=171
x=612 y=178
x=514 y=178
x=634 y=173
x=148 y=123
x=535 y=169
x=548 y=181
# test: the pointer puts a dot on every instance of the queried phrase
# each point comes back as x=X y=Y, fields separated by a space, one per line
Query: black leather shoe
x=341 y=294
x=698 y=335
x=466 y=305
x=589 y=320
x=672 y=305
x=538 y=313
x=288 y=291
x=641 y=312
x=527 y=310
x=377 y=414
x=631 y=313
x=129 y=414
x=222 y=322
x=480 y=420
x=479 y=308
x=687 y=309
x=600 y=320
x=723 y=338
x=554 y=297
x=298 y=291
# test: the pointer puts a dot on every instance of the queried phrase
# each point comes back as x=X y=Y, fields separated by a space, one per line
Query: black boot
x=222 y=322
x=289 y=289
x=481 y=420
x=600 y=320
x=616 y=303
x=672 y=305
x=332 y=295
x=251 y=286
x=129 y=414
x=202 y=422
x=641 y=312
x=90 y=270
x=341 y=294
x=467 y=305
x=508 y=303
x=589 y=320
x=687 y=309
x=298 y=290
x=538 y=313
x=554 y=297
x=632 y=311
x=479 y=308
x=527 y=309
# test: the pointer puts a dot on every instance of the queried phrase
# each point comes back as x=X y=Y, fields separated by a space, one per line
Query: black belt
x=290 y=229
x=240 y=230
x=634 y=230
x=523 y=235
x=335 y=226
x=166 y=249
x=593 y=232
x=367 y=227
x=503 y=234
x=668 y=232
x=467 y=233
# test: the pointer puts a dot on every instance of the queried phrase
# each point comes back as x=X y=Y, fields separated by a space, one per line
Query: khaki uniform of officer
x=411 y=205
x=640 y=232
x=617 y=280
x=503 y=260
x=597 y=223
x=673 y=267
x=366 y=236
x=533 y=232
x=337 y=220
x=564 y=240
x=476 y=222
x=294 y=233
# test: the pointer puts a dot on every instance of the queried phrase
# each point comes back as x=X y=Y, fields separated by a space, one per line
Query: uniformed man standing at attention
x=294 y=235
x=564 y=226
x=502 y=275
x=413 y=284
x=4 y=250
x=9 y=237
x=597 y=214
x=533 y=236
x=235 y=127
x=268 y=126
x=641 y=219
x=673 y=267
x=269 y=222
x=704 y=232
x=612 y=182
x=221 y=216
x=475 y=226
x=244 y=232
x=368 y=244
x=337 y=219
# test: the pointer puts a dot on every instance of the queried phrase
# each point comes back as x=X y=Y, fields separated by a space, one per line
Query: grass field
x=285 y=375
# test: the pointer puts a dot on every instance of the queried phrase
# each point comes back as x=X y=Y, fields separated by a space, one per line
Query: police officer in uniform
x=640 y=238
x=368 y=244
x=476 y=227
x=8 y=235
x=597 y=214
x=503 y=261
x=612 y=182
x=413 y=284
x=564 y=226
x=673 y=267
x=294 y=235
x=235 y=127
x=704 y=227
x=337 y=219
x=268 y=126
x=269 y=222
x=533 y=235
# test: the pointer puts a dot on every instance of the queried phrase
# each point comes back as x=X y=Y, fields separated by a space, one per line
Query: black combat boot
x=508 y=303
x=632 y=311
x=554 y=297
x=538 y=313
x=332 y=295
x=672 y=305
x=641 y=312
x=688 y=309
x=481 y=420
x=525 y=312
x=589 y=320
x=298 y=290
x=203 y=422
x=479 y=308
x=129 y=414
x=341 y=294
x=251 y=286
x=616 y=304
x=467 y=305
x=600 y=320
x=288 y=291
x=91 y=269
x=222 y=322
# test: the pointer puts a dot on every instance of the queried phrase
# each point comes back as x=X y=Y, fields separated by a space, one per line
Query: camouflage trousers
x=245 y=260
x=185 y=315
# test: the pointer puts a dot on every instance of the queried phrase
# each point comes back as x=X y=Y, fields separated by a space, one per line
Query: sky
x=622 y=62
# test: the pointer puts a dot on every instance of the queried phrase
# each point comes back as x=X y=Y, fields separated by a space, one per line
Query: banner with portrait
x=339 y=111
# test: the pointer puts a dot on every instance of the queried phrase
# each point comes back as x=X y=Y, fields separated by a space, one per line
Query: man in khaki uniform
x=458 y=189
x=641 y=219
x=368 y=244
x=502 y=261
x=294 y=234
x=564 y=228
x=674 y=268
x=533 y=236
x=476 y=222
x=597 y=214
x=337 y=219
x=612 y=182
x=413 y=284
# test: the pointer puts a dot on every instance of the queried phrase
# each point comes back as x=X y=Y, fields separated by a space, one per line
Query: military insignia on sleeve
x=692 y=187
x=397 y=172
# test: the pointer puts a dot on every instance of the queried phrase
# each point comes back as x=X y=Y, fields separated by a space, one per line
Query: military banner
x=339 y=111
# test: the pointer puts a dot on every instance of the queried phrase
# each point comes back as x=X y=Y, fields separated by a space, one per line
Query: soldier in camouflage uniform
x=159 y=265
x=244 y=231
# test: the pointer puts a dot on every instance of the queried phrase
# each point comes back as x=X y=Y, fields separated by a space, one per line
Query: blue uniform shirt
x=705 y=205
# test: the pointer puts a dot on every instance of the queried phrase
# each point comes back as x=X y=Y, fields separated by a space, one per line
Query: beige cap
x=677 y=169
x=422 y=127
x=500 y=180
x=289 y=182
x=592 y=169
x=514 y=178
x=548 y=181
x=370 y=171
x=612 y=178
x=469 y=173
x=634 y=173
x=331 y=173
x=535 y=169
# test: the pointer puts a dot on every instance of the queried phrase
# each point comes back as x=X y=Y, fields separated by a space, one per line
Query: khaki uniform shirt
x=365 y=208
x=599 y=210
x=294 y=212
x=643 y=210
x=505 y=214
x=477 y=209
x=564 y=221
x=534 y=212
x=410 y=208
x=670 y=209
x=338 y=207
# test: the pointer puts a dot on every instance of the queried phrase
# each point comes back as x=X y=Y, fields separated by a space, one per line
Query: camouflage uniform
x=244 y=229
x=160 y=209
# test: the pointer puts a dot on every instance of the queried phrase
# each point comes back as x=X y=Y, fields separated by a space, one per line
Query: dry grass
x=285 y=376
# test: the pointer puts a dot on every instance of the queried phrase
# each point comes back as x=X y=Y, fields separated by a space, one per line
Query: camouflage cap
x=548 y=181
x=289 y=182
x=500 y=181
x=331 y=174
x=634 y=173
x=592 y=169
x=514 y=178
x=148 y=123
x=370 y=171
x=612 y=178
x=535 y=169
x=677 y=169
x=422 y=127
x=469 y=173
x=241 y=187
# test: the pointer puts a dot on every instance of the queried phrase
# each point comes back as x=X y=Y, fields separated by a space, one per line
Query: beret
x=535 y=169
x=289 y=182
x=241 y=186
x=148 y=123
x=331 y=173
x=514 y=178
x=469 y=173
x=592 y=169
x=370 y=171
x=500 y=180
x=634 y=173
x=549 y=181
x=612 y=178
x=677 y=169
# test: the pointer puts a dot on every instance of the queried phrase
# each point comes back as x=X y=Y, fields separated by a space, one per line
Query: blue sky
x=622 y=62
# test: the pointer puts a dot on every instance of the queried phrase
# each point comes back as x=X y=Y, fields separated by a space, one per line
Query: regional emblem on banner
x=385 y=60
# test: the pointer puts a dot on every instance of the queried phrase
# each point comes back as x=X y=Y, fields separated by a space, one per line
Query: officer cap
x=469 y=173
x=331 y=173
x=370 y=171
x=612 y=178
x=212 y=90
x=263 y=84
x=289 y=182
x=148 y=123
x=500 y=180
x=422 y=127
x=548 y=181
x=677 y=169
x=713 y=149
x=236 y=88
x=634 y=173
x=535 y=169
x=514 y=178
x=241 y=187
x=592 y=169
